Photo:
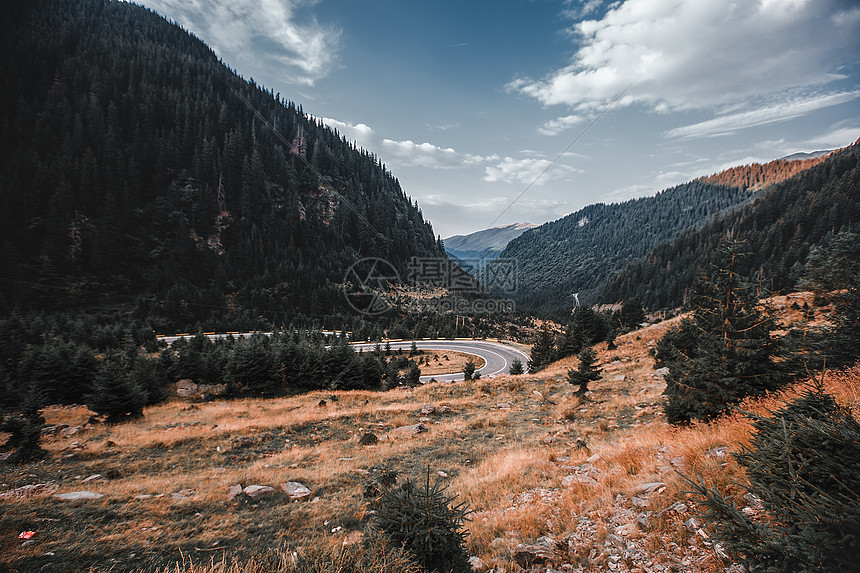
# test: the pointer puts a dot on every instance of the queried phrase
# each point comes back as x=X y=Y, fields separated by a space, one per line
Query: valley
x=659 y=377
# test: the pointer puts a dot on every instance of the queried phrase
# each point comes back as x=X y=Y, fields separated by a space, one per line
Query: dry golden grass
x=447 y=362
x=508 y=447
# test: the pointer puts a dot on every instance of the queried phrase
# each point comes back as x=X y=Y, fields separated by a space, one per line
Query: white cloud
x=527 y=171
x=556 y=126
x=363 y=135
x=700 y=54
x=781 y=111
x=406 y=153
x=260 y=34
x=839 y=136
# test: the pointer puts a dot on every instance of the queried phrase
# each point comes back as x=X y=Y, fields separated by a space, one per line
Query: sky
x=492 y=112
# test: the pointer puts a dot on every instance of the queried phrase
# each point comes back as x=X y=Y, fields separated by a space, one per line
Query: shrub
x=424 y=522
x=804 y=465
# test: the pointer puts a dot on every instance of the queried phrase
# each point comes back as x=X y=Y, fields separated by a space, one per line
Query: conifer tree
x=586 y=372
x=115 y=392
x=516 y=368
x=725 y=352
x=542 y=351
x=468 y=370
x=803 y=465
x=836 y=267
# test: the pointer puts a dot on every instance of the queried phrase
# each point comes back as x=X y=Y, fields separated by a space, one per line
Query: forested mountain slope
x=135 y=167
x=759 y=176
x=780 y=227
x=580 y=251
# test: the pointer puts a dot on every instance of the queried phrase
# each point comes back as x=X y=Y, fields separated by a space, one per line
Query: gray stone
x=94 y=477
x=692 y=524
x=257 y=492
x=541 y=552
x=31 y=490
x=503 y=406
x=477 y=564
x=411 y=430
x=186 y=388
x=72 y=495
x=648 y=488
x=428 y=409
x=234 y=490
x=295 y=490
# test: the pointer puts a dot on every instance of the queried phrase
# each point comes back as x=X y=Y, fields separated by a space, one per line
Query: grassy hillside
x=532 y=459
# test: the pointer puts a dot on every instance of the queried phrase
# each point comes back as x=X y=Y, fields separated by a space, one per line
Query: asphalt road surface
x=498 y=357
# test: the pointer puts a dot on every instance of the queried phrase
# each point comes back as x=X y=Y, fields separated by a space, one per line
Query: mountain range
x=137 y=170
x=653 y=248
x=476 y=249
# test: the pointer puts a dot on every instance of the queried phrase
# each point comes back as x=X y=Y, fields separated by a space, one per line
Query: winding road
x=498 y=357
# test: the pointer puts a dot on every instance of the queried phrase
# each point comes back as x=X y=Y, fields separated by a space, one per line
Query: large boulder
x=186 y=388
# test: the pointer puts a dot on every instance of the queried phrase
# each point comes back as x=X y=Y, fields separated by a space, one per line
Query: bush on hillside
x=804 y=465
x=424 y=522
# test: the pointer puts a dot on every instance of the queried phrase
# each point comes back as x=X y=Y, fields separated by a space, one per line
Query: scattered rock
x=619 y=378
x=78 y=495
x=442 y=474
x=368 y=439
x=234 y=490
x=186 y=388
x=30 y=490
x=692 y=524
x=257 y=492
x=411 y=430
x=626 y=530
x=593 y=458
x=753 y=500
x=648 y=488
x=477 y=564
x=660 y=373
x=94 y=477
x=53 y=430
x=427 y=409
x=541 y=552
x=295 y=490
x=444 y=410
x=678 y=507
x=720 y=453
x=503 y=406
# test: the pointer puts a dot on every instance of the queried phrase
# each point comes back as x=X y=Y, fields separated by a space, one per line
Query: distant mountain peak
x=485 y=245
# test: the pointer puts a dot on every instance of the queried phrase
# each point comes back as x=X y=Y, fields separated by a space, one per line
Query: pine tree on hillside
x=836 y=267
x=542 y=351
x=516 y=368
x=115 y=393
x=586 y=372
x=803 y=466
x=725 y=352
